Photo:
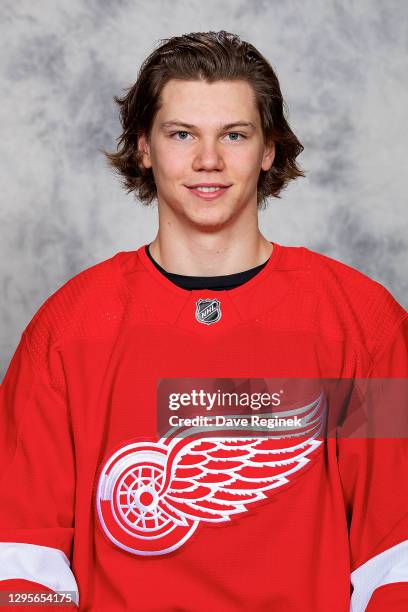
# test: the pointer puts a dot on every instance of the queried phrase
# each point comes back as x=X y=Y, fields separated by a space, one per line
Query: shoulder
x=352 y=302
x=87 y=305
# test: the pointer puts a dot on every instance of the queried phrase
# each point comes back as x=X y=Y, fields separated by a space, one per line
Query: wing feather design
x=211 y=478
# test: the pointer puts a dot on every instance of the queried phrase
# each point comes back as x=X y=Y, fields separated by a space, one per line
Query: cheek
x=245 y=166
x=247 y=159
x=169 y=164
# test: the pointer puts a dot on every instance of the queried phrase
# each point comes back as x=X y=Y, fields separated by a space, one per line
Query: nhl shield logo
x=208 y=310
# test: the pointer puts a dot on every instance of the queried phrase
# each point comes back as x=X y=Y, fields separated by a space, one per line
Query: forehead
x=198 y=101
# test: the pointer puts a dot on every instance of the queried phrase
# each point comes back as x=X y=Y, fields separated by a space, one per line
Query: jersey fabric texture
x=78 y=415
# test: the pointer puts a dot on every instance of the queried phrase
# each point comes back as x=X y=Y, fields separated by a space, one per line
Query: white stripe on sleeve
x=47 y=566
x=389 y=566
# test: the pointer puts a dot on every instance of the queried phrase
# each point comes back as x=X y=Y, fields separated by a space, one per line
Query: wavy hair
x=210 y=56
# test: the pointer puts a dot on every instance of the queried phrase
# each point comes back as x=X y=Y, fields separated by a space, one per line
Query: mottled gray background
x=343 y=71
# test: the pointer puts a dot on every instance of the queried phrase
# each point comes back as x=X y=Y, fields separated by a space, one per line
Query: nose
x=208 y=156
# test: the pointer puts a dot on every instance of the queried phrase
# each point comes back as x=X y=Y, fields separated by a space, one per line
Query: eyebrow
x=227 y=126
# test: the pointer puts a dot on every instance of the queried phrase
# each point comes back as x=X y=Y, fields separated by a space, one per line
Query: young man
x=95 y=495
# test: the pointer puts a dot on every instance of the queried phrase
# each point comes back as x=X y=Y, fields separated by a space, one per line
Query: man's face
x=207 y=133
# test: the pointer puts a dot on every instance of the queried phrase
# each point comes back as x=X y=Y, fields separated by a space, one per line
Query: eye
x=181 y=132
x=182 y=135
x=241 y=136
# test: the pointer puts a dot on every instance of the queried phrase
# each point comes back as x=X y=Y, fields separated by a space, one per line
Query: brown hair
x=211 y=56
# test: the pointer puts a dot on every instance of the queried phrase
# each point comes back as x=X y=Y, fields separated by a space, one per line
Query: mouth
x=208 y=191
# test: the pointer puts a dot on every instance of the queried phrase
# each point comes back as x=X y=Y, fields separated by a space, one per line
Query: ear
x=268 y=156
x=143 y=145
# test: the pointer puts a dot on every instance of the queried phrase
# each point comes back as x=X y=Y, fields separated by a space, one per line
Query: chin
x=209 y=222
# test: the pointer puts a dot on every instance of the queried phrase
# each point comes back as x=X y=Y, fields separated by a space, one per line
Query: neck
x=198 y=253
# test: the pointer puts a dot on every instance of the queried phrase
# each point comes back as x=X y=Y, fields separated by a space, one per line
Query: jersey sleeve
x=37 y=477
x=374 y=476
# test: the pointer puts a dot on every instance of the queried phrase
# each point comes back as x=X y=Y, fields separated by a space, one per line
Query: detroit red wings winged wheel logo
x=152 y=496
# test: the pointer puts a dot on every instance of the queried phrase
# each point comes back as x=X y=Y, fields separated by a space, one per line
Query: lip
x=209 y=195
x=207 y=185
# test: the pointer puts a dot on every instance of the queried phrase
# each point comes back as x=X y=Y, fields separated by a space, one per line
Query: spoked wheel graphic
x=137 y=498
x=129 y=504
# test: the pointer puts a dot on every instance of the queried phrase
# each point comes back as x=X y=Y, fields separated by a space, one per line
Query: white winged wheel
x=152 y=496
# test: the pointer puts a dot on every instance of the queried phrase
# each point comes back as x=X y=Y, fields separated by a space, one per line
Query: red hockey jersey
x=93 y=500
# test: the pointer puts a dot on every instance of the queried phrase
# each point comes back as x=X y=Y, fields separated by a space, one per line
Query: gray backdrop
x=343 y=71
